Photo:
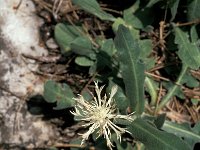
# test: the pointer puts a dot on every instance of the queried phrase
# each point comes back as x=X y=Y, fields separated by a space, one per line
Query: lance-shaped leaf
x=190 y=135
x=188 y=52
x=154 y=139
x=194 y=34
x=93 y=7
x=65 y=34
x=173 y=5
x=61 y=94
x=193 y=10
x=131 y=67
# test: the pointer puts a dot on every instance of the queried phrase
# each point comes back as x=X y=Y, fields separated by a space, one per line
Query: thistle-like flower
x=99 y=115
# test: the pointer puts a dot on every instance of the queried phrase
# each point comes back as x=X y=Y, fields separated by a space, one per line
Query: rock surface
x=19 y=35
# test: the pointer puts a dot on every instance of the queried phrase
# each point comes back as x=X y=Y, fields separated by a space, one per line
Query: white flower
x=99 y=115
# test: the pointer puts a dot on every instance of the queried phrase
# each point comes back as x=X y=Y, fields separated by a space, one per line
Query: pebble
x=50 y=43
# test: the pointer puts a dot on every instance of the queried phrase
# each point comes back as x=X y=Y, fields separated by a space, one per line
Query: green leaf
x=84 y=61
x=149 y=63
x=193 y=10
x=120 y=98
x=61 y=94
x=190 y=80
x=135 y=17
x=190 y=135
x=173 y=7
x=81 y=43
x=116 y=24
x=131 y=67
x=178 y=91
x=75 y=142
x=140 y=18
x=152 y=2
x=120 y=21
x=93 y=7
x=175 y=89
x=82 y=46
x=65 y=34
x=195 y=101
x=160 y=120
x=194 y=34
x=154 y=139
x=188 y=52
x=108 y=47
x=146 y=48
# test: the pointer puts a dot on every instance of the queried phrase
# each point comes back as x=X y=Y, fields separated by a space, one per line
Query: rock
x=19 y=34
x=51 y=44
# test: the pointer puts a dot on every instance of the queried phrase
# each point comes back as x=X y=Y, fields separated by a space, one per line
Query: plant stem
x=172 y=90
x=152 y=90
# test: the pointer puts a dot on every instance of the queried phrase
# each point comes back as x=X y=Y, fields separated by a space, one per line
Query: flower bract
x=99 y=115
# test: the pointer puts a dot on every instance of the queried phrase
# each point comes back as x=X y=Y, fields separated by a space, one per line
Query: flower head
x=99 y=115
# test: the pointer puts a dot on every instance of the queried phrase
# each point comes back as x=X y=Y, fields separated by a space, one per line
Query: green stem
x=172 y=90
x=152 y=90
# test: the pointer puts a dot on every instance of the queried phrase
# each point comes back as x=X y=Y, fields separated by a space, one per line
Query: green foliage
x=193 y=10
x=159 y=121
x=108 y=47
x=135 y=50
x=76 y=142
x=173 y=7
x=75 y=41
x=190 y=135
x=146 y=48
x=155 y=139
x=93 y=7
x=195 y=101
x=65 y=34
x=138 y=17
x=120 y=97
x=131 y=67
x=173 y=90
x=188 y=52
x=82 y=46
x=190 y=55
x=194 y=34
x=117 y=22
x=84 y=61
x=152 y=88
x=60 y=94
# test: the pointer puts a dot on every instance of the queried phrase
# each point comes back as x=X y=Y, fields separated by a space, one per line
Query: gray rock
x=51 y=44
x=19 y=34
